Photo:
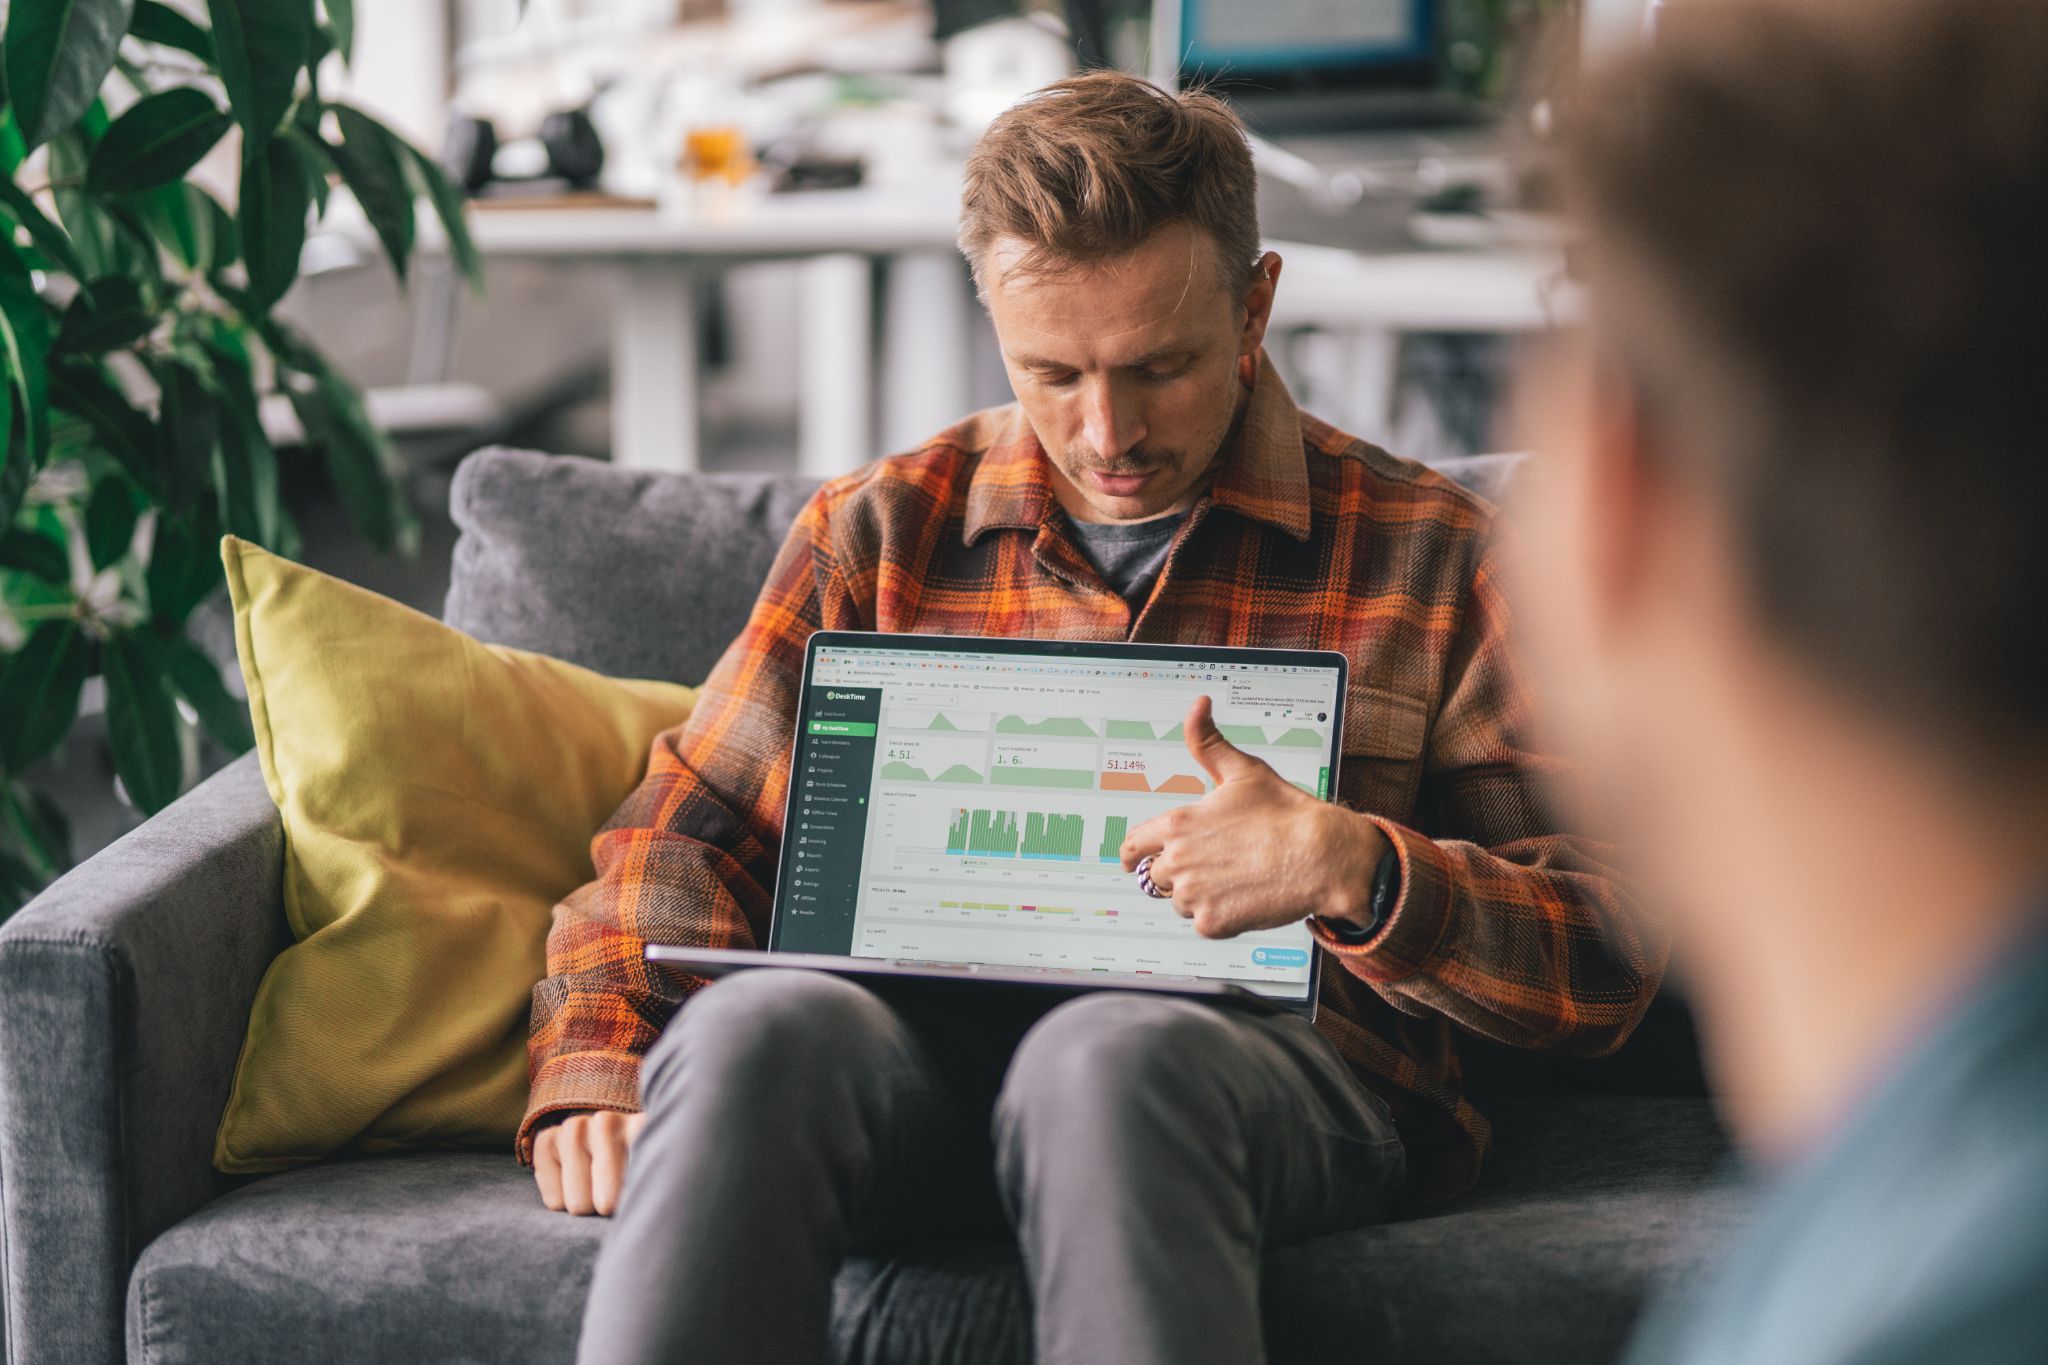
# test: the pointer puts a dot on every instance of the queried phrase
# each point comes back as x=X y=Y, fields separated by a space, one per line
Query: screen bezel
x=1106 y=650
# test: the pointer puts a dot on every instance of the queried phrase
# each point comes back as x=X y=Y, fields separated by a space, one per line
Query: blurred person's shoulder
x=1919 y=1232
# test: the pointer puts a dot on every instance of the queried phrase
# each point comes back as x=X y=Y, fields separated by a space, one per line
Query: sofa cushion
x=634 y=574
x=438 y=797
x=450 y=1257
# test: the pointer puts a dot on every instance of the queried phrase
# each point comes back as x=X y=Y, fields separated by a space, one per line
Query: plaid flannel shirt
x=1306 y=539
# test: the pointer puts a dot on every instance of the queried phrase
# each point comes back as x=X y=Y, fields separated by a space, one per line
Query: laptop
x=957 y=807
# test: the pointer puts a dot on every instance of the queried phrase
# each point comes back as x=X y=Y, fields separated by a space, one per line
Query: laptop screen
x=964 y=801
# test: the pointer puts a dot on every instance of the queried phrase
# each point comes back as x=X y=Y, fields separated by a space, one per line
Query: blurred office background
x=718 y=231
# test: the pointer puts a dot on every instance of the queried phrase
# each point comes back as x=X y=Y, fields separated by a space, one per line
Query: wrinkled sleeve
x=690 y=857
x=1506 y=925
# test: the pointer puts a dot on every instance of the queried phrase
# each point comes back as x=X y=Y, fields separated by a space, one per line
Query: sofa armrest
x=125 y=989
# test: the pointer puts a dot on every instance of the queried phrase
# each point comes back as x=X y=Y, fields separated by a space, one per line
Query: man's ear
x=1258 y=303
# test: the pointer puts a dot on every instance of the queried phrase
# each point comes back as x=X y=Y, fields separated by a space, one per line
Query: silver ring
x=1145 y=882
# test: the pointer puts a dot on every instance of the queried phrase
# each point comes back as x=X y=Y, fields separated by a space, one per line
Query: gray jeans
x=1144 y=1148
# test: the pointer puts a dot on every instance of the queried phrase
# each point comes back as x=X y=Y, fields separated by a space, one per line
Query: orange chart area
x=1180 y=784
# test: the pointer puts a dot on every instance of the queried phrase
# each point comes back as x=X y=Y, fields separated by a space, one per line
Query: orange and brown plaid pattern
x=1307 y=539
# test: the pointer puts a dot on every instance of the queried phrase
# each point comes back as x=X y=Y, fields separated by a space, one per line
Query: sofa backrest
x=633 y=574
x=636 y=574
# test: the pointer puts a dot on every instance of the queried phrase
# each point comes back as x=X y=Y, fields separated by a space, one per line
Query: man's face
x=1127 y=368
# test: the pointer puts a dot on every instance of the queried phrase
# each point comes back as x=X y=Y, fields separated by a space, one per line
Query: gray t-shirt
x=1128 y=554
x=1920 y=1232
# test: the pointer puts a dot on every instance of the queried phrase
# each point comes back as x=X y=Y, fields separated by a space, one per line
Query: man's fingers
x=1144 y=841
x=607 y=1161
x=573 y=1147
x=1221 y=759
x=547 y=1168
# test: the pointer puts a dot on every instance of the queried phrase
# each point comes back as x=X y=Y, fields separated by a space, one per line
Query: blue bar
x=1279 y=957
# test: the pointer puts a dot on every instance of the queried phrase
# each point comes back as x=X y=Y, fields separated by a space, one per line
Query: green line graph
x=900 y=771
x=1072 y=727
x=1142 y=730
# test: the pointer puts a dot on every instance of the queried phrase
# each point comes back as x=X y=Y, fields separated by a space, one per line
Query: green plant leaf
x=246 y=471
x=12 y=150
x=97 y=238
x=369 y=155
x=156 y=141
x=260 y=47
x=110 y=519
x=112 y=315
x=277 y=194
x=359 y=460
x=166 y=215
x=142 y=724
x=341 y=21
x=190 y=419
x=156 y=22
x=39 y=692
x=54 y=241
x=117 y=426
x=318 y=163
x=30 y=552
x=38 y=828
x=58 y=52
x=24 y=342
x=197 y=679
x=184 y=564
x=448 y=202
x=193 y=227
x=14 y=460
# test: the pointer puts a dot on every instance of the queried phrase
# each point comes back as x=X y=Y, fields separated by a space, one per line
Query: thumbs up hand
x=1257 y=852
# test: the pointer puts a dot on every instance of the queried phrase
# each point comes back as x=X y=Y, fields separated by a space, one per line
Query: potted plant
x=137 y=344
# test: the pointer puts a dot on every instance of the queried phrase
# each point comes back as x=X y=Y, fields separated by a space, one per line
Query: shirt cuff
x=1419 y=921
x=574 y=1082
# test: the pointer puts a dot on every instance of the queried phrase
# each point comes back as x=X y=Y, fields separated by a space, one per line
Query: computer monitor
x=1229 y=39
x=1335 y=63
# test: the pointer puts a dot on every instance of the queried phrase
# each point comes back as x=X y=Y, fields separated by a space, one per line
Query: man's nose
x=1111 y=423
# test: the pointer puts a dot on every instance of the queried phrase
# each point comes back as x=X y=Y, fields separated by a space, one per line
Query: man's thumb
x=1221 y=759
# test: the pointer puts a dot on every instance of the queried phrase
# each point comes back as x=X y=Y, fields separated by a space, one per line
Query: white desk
x=656 y=257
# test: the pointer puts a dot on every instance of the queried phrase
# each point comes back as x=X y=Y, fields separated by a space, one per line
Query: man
x=1789 y=587
x=1153 y=482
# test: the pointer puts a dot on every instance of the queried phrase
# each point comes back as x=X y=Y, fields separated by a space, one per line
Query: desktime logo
x=846 y=696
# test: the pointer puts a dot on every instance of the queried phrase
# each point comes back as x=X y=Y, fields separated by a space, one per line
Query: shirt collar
x=1264 y=474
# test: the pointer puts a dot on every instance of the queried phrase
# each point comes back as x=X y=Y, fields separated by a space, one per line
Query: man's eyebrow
x=1176 y=352
x=1163 y=353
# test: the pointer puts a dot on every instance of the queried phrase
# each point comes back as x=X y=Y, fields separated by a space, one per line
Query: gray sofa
x=124 y=990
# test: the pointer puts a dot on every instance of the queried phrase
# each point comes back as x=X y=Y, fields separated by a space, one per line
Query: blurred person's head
x=1113 y=232
x=1785 y=566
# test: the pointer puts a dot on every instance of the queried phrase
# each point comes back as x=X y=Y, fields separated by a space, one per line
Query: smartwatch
x=1386 y=889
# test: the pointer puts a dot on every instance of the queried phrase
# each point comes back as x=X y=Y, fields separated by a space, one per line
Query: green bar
x=862 y=728
x=1323 y=784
